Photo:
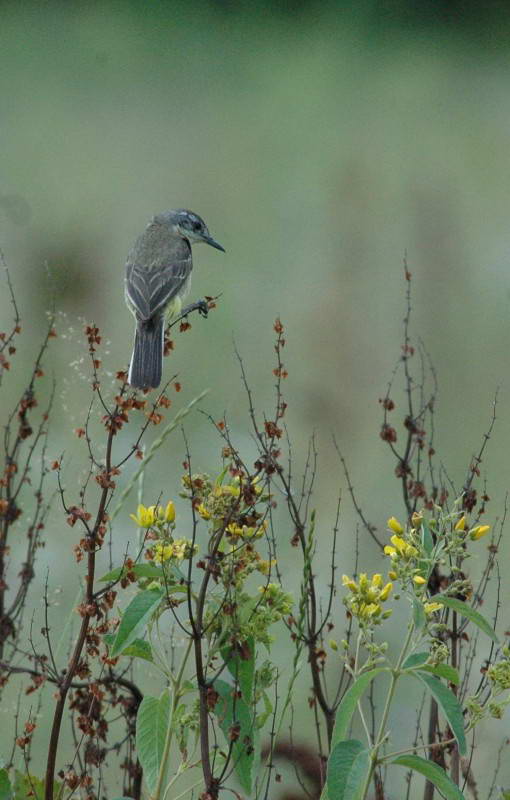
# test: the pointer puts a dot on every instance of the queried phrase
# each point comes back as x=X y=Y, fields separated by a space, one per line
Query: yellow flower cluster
x=478 y=532
x=399 y=548
x=164 y=551
x=367 y=596
x=148 y=516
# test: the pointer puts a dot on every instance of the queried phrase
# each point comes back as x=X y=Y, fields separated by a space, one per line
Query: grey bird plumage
x=158 y=277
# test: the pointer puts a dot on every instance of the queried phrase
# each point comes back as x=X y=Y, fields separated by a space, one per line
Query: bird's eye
x=196 y=226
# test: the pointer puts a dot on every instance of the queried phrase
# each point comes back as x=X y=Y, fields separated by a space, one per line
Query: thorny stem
x=78 y=648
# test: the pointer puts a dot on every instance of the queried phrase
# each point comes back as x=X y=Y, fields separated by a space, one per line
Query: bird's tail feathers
x=147 y=360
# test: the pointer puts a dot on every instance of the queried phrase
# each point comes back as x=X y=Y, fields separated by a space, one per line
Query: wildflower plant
x=206 y=592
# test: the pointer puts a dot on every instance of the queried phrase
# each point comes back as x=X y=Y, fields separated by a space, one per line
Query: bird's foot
x=201 y=306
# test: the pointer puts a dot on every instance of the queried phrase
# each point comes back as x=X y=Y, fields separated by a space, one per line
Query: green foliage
x=5 y=785
x=348 y=766
x=237 y=721
x=135 y=618
x=468 y=612
x=152 y=724
x=449 y=704
x=349 y=703
x=433 y=773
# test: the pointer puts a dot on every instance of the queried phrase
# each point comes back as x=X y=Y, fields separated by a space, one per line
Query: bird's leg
x=201 y=306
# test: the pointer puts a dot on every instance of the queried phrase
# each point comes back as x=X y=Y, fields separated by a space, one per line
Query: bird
x=158 y=278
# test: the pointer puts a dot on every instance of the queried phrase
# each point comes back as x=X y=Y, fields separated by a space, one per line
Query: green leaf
x=242 y=668
x=152 y=723
x=449 y=704
x=135 y=618
x=418 y=661
x=426 y=538
x=465 y=610
x=5 y=786
x=419 y=616
x=433 y=773
x=139 y=648
x=415 y=660
x=347 y=770
x=268 y=710
x=235 y=718
x=349 y=702
x=443 y=671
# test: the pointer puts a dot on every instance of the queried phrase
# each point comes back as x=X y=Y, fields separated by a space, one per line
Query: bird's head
x=190 y=226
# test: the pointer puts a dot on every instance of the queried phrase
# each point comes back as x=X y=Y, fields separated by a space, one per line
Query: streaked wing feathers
x=150 y=287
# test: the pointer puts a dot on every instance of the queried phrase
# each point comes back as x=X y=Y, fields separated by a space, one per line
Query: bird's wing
x=154 y=279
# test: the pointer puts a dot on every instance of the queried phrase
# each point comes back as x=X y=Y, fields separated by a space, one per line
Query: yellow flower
x=417 y=518
x=145 y=517
x=204 y=513
x=179 y=548
x=386 y=591
x=377 y=580
x=479 y=531
x=399 y=543
x=419 y=580
x=234 y=491
x=430 y=608
x=163 y=552
x=264 y=566
x=392 y=575
x=234 y=530
x=169 y=512
x=390 y=551
x=352 y=585
x=363 y=581
x=461 y=523
x=395 y=525
x=370 y=609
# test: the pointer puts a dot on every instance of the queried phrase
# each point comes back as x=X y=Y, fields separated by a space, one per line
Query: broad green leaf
x=418 y=661
x=138 y=648
x=349 y=702
x=415 y=660
x=135 y=618
x=347 y=769
x=449 y=704
x=433 y=773
x=242 y=669
x=443 y=671
x=236 y=719
x=357 y=776
x=5 y=786
x=419 y=617
x=152 y=723
x=426 y=538
x=465 y=610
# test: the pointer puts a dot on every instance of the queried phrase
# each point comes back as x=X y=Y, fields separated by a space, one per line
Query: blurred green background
x=320 y=141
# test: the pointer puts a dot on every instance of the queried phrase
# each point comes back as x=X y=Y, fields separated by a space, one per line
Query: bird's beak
x=213 y=243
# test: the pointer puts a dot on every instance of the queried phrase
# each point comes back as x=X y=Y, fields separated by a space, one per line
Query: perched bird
x=158 y=277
